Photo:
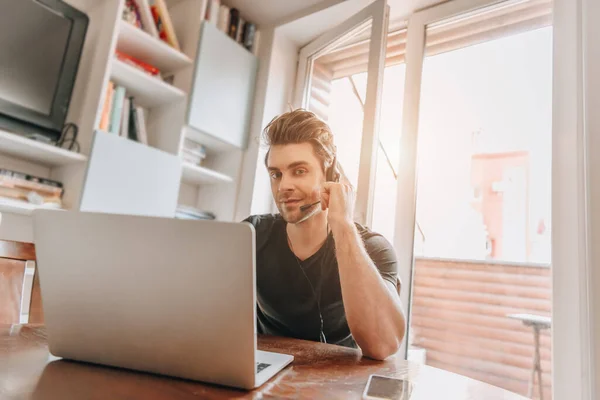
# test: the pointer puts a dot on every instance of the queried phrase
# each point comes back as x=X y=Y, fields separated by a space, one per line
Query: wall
x=276 y=76
x=459 y=316
x=488 y=172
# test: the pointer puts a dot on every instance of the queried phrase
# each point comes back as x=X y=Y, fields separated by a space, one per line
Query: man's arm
x=372 y=305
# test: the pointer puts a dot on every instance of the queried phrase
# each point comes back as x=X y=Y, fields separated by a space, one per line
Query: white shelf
x=141 y=45
x=212 y=144
x=38 y=152
x=148 y=91
x=20 y=207
x=198 y=175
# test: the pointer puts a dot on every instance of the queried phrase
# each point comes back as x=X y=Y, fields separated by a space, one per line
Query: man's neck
x=308 y=236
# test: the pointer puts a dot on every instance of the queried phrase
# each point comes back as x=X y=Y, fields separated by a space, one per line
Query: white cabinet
x=126 y=177
x=222 y=91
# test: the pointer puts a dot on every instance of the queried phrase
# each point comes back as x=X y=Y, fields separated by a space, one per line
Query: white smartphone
x=385 y=388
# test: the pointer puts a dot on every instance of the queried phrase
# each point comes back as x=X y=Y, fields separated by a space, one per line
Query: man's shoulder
x=372 y=239
x=263 y=223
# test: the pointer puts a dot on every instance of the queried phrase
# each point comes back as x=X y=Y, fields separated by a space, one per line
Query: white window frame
x=573 y=362
x=378 y=15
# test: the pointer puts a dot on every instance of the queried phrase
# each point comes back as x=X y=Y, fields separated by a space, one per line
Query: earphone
x=322 y=337
x=331 y=175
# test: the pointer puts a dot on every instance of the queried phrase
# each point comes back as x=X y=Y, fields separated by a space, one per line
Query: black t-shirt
x=287 y=305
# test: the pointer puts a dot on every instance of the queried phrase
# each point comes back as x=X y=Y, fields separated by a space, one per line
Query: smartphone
x=385 y=388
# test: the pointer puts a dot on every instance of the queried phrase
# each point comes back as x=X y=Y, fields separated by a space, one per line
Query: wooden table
x=319 y=371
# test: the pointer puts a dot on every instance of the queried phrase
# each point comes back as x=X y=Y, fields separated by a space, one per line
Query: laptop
x=161 y=295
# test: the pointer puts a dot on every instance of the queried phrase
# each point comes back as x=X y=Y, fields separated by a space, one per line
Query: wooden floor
x=459 y=317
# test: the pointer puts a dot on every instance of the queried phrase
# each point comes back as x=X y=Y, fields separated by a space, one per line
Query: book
x=124 y=131
x=147 y=19
x=223 y=23
x=163 y=23
x=256 y=43
x=30 y=178
x=139 y=64
x=248 y=35
x=117 y=110
x=104 y=120
x=240 y=30
x=29 y=196
x=134 y=129
x=21 y=187
x=204 y=9
x=186 y=212
x=234 y=20
x=212 y=11
x=29 y=189
x=141 y=122
x=193 y=152
x=131 y=13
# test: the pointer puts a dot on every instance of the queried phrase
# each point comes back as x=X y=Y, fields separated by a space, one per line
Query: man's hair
x=301 y=126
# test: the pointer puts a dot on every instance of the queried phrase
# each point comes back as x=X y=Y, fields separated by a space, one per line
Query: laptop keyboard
x=260 y=366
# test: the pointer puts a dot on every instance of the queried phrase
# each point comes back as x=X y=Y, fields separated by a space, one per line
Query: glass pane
x=482 y=253
x=335 y=76
x=388 y=153
x=345 y=117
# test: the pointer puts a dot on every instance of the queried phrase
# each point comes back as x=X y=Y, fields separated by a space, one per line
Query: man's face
x=296 y=177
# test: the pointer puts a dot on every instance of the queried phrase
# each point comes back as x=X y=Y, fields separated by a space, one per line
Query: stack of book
x=18 y=186
x=185 y=212
x=193 y=152
x=138 y=64
x=153 y=17
x=121 y=116
x=233 y=24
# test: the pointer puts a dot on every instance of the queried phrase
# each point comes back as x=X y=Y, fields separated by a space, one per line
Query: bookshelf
x=147 y=90
x=37 y=152
x=140 y=44
x=198 y=175
x=172 y=116
x=18 y=207
x=213 y=144
x=211 y=186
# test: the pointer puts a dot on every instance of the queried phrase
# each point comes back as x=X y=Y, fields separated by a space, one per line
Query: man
x=320 y=276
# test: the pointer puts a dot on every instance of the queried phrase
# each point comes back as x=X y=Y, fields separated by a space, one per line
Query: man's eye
x=275 y=175
x=300 y=171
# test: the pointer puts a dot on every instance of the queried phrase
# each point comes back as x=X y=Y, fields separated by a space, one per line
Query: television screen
x=40 y=47
x=33 y=44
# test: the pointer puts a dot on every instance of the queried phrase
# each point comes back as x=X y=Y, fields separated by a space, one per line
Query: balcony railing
x=459 y=318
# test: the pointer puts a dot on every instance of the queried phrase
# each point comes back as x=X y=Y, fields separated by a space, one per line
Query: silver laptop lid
x=175 y=297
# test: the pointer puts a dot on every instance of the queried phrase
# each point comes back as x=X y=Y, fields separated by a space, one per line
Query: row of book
x=153 y=17
x=121 y=116
x=229 y=21
x=21 y=187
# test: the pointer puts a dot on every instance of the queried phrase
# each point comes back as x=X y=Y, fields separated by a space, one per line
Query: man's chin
x=297 y=216
x=291 y=217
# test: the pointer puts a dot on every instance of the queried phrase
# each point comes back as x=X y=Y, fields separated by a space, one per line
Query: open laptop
x=162 y=295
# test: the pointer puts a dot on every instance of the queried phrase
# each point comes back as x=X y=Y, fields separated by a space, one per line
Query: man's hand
x=373 y=311
x=339 y=199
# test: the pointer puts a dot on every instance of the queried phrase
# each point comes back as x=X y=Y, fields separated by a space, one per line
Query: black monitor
x=40 y=47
